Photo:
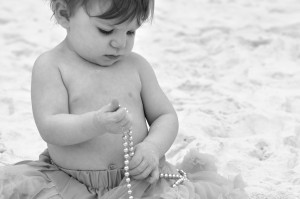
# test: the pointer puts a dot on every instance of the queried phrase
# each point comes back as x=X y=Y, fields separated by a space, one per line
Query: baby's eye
x=130 y=33
x=105 y=32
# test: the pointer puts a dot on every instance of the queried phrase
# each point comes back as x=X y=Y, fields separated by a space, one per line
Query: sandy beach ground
x=230 y=67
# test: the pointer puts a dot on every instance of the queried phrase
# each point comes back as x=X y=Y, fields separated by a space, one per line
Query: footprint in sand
x=261 y=151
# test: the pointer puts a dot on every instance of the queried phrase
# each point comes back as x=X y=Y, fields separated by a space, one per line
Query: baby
x=91 y=87
x=86 y=92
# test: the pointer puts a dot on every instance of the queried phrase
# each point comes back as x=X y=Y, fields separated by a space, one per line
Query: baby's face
x=97 y=40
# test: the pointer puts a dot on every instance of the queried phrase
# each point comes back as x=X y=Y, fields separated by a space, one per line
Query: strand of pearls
x=128 y=153
x=180 y=177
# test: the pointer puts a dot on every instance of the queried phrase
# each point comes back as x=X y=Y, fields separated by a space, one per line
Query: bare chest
x=90 y=88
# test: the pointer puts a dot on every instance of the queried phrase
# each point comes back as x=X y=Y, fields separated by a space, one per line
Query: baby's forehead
x=115 y=23
x=97 y=7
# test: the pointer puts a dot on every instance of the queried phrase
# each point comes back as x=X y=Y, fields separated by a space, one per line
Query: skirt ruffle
x=204 y=182
x=42 y=180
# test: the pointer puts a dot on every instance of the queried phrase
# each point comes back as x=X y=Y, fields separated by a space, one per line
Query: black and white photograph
x=150 y=99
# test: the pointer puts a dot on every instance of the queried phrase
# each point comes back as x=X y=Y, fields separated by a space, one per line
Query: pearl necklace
x=129 y=153
x=180 y=177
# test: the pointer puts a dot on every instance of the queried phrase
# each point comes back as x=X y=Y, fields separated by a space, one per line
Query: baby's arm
x=51 y=110
x=163 y=123
x=159 y=112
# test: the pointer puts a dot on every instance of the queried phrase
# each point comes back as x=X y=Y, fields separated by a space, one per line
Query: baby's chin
x=107 y=64
x=103 y=62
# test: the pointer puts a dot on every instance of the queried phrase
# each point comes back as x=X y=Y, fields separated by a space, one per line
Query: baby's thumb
x=112 y=106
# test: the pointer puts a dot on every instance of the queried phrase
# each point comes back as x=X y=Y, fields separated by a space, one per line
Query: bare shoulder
x=140 y=63
x=46 y=72
x=46 y=68
x=46 y=61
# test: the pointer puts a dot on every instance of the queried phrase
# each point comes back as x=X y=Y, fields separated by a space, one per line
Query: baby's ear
x=61 y=13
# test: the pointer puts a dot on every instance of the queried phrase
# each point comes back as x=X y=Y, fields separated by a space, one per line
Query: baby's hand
x=144 y=163
x=113 y=118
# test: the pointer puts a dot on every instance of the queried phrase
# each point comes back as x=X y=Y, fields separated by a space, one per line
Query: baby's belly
x=102 y=152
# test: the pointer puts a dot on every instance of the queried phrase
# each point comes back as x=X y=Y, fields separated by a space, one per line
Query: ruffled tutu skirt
x=43 y=179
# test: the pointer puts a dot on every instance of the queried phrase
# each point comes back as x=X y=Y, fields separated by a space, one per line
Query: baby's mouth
x=112 y=57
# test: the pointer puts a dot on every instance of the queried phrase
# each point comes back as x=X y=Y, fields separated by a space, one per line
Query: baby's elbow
x=46 y=134
x=173 y=118
x=50 y=138
x=46 y=138
x=176 y=121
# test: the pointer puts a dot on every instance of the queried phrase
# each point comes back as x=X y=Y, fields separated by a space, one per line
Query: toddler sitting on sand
x=106 y=121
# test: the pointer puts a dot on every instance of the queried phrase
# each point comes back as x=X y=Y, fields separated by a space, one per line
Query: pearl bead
x=126 y=168
x=125 y=150
x=130 y=197
x=129 y=192
x=127 y=180
x=128 y=186
x=126 y=162
x=126 y=174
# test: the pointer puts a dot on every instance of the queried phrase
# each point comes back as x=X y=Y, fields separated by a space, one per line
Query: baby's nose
x=119 y=42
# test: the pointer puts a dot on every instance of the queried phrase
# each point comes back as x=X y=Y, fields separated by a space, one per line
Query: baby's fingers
x=139 y=169
x=126 y=123
x=118 y=115
x=136 y=160
x=143 y=175
x=111 y=107
x=154 y=175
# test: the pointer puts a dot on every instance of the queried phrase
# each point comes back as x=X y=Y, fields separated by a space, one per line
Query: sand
x=230 y=68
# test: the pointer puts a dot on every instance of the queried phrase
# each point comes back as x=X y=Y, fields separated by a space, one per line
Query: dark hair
x=122 y=10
